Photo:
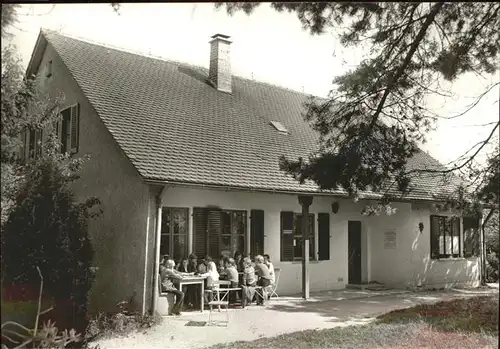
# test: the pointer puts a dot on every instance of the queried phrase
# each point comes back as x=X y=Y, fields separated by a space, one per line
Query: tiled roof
x=174 y=126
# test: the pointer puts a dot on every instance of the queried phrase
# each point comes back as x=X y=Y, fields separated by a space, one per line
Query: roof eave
x=364 y=196
x=37 y=54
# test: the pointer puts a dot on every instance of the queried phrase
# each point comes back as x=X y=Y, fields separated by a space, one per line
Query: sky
x=267 y=46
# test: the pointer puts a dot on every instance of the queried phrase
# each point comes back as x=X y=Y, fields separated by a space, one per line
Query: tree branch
x=473 y=104
x=466 y=162
x=430 y=18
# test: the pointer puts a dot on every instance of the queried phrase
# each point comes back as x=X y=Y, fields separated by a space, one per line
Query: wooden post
x=156 y=269
x=305 y=201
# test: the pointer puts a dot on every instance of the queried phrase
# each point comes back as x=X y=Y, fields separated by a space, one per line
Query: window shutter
x=214 y=232
x=200 y=231
x=65 y=128
x=434 y=236
x=323 y=236
x=257 y=232
x=31 y=143
x=75 y=128
x=38 y=143
x=24 y=145
x=455 y=231
x=471 y=236
x=286 y=236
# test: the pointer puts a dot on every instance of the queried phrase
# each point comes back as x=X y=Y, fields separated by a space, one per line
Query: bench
x=165 y=302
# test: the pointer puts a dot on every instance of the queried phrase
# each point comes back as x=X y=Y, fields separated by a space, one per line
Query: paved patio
x=288 y=314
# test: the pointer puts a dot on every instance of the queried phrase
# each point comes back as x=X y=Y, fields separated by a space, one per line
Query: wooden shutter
x=200 y=231
x=31 y=143
x=38 y=143
x=65 y=128
x=434 y=235
x=214 y=227
x=256 y=232
x=455 y=231
x=323 y=236
x=471 y=236
x=74 y=128
x=286 y=236
x=24 y=145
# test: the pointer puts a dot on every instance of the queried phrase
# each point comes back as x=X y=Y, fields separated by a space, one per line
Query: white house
x=200 y=150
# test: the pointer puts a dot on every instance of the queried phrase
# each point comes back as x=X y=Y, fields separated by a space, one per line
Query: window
x=279 y=127
x=471 y=236
x=256 y=232
x=174 y=230
x=33 y=143
x=234 y=225
x=445 y=237
x=68 y=129
x=291 y=236
x=218 y=231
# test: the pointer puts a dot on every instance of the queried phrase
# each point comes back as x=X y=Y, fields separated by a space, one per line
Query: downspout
x=156 y=269
x=483 y=249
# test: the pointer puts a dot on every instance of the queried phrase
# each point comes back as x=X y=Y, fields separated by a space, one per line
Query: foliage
x=42 y=223
x=23 y=107
x=47 y=336
x=492 y=235
x=48 y=228
x=375 y=117
x=120 y=323
x=8 y=17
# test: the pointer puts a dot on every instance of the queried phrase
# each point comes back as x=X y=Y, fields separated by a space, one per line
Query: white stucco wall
x=405 y=266
x=119 y=235
x=409 y=264
x=325 y=275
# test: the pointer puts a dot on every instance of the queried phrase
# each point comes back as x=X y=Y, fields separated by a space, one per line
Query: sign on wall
x=390 y=240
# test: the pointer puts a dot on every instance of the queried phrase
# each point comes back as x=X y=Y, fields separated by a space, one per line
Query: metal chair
x=218 y=302
x=274 y=287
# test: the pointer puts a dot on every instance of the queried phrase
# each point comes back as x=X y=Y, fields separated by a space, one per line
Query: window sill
x=300 y=262
x=450 y=259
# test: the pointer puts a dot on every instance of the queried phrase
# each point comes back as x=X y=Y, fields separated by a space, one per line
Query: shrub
x=46 y=336
x=120 y=323
x=492 y=248
x=47 y=228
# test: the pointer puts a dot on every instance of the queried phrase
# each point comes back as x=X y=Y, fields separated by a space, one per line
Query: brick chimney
x=219 y=73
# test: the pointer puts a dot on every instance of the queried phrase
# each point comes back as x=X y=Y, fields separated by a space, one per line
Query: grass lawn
x=469 y=323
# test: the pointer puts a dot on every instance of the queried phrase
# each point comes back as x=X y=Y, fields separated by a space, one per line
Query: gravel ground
x=326 y=310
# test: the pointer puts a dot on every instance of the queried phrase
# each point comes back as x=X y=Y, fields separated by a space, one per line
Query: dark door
x=354 y=252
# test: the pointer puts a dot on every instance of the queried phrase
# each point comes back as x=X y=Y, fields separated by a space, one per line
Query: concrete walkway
x=288 y=314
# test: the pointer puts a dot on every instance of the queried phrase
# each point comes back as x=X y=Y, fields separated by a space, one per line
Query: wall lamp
x=335 y=207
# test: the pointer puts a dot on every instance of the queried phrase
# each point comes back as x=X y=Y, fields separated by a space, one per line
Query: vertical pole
x=190 y=230
x=305 y=202
x=156 y=269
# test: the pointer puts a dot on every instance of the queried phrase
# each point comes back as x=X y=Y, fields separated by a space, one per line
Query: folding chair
x=274 y=287
x=218 y=302
x=261 y=292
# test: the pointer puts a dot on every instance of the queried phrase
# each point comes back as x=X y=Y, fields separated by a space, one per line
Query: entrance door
x=354 y=252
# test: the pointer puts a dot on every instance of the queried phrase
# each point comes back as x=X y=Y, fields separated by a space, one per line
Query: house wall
x=409 y=265
x=405 y=266
x=119 y=234
x=325 y=275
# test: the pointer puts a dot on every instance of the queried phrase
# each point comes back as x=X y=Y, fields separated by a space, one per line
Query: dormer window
x=279 y=127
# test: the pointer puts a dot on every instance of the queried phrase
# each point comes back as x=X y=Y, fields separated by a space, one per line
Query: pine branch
x=392 y=82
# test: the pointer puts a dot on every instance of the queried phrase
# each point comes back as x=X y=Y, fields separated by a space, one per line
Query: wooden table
x=195 y=280
x=224 y=282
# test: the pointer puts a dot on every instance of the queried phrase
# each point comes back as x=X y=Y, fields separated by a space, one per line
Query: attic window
x=49 y=69
x=279 y=127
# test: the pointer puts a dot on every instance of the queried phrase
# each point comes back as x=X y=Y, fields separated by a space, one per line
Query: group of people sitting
x=240 y=271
